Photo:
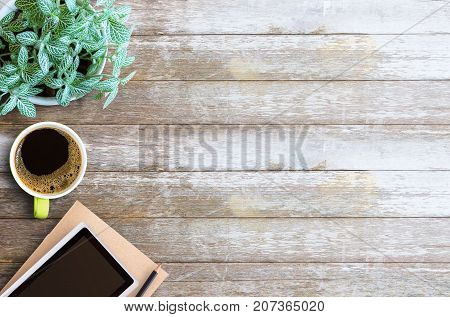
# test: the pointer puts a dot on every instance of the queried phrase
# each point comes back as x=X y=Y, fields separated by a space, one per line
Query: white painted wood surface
x=249 y=194
x=243 y=148
x=260 y=102
x=250 y=240
x=287 y=57
x=277 y=102
x=321 y=147
x=289 y=16
x=305 y=279
x=297 y=279
x=250 y=147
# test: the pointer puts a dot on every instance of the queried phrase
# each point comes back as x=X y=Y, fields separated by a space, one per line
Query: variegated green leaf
x=78 y=48
x=107 y=85
x=46 y=6
x=7 y=18
x=12 y=80
x=119 y=60
x=22 y=89
x=17 y=26
x=8 y=36
x=54 y=83
x=125 y=80
x=80 y=91
x=33 y=74
x=65 y=64
x=65 y=40
x=106 y=3
x=22 y=59
x=100 y=53
x=26 y=5
x=122 y=10
x=14 y=48
x=9 y=69
x=93 y=69
x=74 y=28
x=32 y=92
x=44 y=61
x=27 y=38
x=63 y=96
x=112 y=95
x=75 y=64
x=91 y=82
x=71 y=5
x=3 y=86
x=26 y=108
x=118 y=32
x=9 y=105
x=128 y=61
x=56 y=49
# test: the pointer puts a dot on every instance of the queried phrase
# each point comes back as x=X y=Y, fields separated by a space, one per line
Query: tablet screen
x=82 y=267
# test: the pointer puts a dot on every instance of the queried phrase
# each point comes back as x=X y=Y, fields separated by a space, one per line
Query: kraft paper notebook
x=134 y=260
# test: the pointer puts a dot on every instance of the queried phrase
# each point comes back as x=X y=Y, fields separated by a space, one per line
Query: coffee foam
x=59 y=180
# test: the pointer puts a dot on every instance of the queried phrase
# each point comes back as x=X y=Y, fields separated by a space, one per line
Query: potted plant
x=54 y=51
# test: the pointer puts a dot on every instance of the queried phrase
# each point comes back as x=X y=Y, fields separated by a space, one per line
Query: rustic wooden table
x=354 y=96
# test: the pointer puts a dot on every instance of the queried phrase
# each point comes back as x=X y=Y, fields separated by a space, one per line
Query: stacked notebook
x=80 y=223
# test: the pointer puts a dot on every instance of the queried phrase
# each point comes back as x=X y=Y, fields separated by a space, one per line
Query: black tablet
x=78 y=266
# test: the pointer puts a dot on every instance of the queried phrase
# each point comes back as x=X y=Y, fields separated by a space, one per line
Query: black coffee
x=48 y=161
x=44 y=151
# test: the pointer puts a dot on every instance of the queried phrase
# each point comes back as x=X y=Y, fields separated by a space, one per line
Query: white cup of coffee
x=48 y=160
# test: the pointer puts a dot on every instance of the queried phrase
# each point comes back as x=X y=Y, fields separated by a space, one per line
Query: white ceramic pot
x=40 y=101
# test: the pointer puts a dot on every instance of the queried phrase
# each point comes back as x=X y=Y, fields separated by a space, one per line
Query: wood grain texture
x=287 y=17
x=297 y=279
x=238 y=194
x=318 y=147
x=261 y=102
x=240 y=148
x=305 y=279
x=108 y=147
x=245 y=57
x=259 y=240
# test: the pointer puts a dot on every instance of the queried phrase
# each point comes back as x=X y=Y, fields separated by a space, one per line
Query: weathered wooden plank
x=260 y=240
x=249 y=147
x=306 y=279
x=297 y=279
x=288 y=17
x=248 y=102
x=302 y=288
x=109 y=147
x=318 y=147
x=7 y=271
x=322 y=57
x=243 y=194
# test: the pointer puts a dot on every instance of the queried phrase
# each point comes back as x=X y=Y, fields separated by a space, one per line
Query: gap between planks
x=245 y=218
x=271 y=262
x=24 y=125
x=279 y=34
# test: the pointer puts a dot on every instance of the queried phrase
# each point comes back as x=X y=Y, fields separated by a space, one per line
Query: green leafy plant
x=56 y=48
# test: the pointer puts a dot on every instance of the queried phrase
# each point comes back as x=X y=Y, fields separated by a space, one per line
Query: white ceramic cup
x=42 y=201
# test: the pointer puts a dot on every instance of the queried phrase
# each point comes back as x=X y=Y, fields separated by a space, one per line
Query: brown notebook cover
x=137 y=263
